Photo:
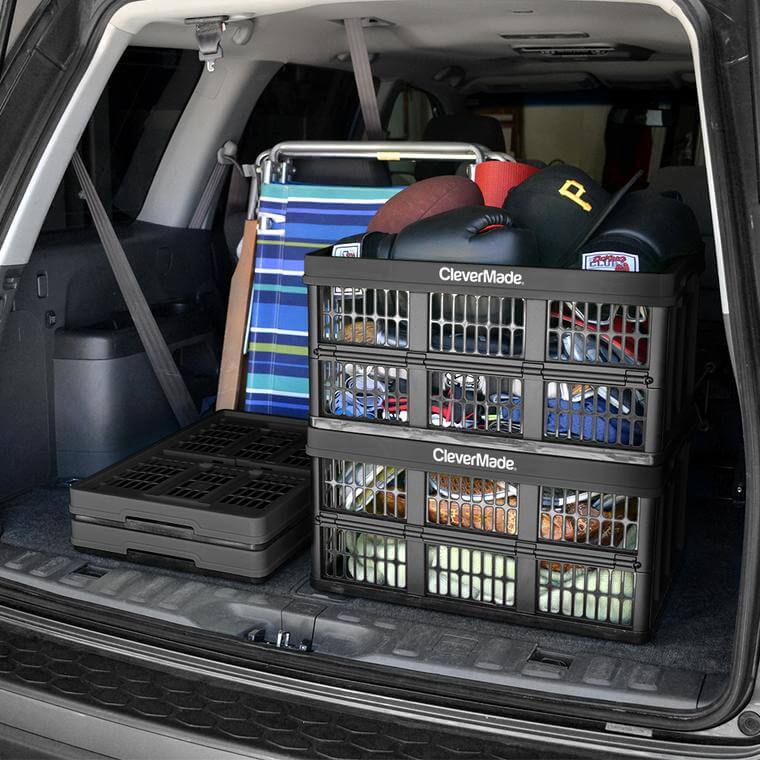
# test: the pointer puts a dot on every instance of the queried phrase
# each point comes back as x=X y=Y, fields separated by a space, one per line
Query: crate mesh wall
x=476 y=403
x=477 y=325
x=267 y=444
x=472 y=575
x=364 y=316
x=200 y=485
x=213 y=438
x=363 y=487
x=374 y=392
x=362 y=557
x=593 y=518
x=598 y=333
x=604 y=415
x=145 y=476
x=472 y=504
x=585 y=592
x=261 y=491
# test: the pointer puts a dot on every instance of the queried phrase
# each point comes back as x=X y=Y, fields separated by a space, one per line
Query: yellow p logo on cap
x=575 y=192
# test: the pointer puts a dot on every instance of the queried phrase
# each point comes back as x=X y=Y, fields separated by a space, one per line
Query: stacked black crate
x=501 y=442
x=228 y=495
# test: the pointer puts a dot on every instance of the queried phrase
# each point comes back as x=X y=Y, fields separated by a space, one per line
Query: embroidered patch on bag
x=348 y=250
x=611 y=261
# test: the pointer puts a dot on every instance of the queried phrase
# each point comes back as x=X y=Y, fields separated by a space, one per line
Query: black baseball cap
x=563 y=206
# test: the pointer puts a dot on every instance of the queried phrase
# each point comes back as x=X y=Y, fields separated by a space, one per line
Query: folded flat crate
x=546 y=525
x=228 y=495
x=595 y=359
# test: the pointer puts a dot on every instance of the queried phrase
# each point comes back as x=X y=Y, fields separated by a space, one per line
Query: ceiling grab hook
x=209 y=31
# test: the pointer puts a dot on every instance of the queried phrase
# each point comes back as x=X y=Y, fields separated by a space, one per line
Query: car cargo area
x=608 y=88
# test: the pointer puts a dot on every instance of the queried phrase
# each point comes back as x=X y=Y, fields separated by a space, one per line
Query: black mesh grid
x=146 y=476
x=477 y=325
x=261 y=491
x=474 y=504
x=364 y=391
x=585 y=592
x=605 y=415
x=298 y=458
x=267 y=445
x=201 y=484
x=589 y=517
x=471 y=575
x=213 y=438
x=476 y=403
x=363 y=487
x=365 y=558
x=364 y=316
x=598 y=333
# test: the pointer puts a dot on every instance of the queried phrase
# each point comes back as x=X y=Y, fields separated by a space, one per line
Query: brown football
x=425 y=198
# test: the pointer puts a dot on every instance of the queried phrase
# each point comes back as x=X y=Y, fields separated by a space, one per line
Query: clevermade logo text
x=485 y=277
x=480 y=460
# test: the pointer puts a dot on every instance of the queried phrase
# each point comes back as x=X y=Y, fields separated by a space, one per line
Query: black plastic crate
x=541 y=525
x=229 y=494
x=563 y=356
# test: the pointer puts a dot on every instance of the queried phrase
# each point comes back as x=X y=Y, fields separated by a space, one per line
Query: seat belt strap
x=156 y=349
x=357 y=47
x=203 y=215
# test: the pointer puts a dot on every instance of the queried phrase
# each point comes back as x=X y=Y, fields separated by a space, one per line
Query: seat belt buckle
x=209 y=31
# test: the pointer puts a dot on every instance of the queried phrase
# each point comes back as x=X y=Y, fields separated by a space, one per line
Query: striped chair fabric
x=301 y=219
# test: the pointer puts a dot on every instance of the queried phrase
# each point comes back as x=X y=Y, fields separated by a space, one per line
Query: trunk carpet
x=694 y=629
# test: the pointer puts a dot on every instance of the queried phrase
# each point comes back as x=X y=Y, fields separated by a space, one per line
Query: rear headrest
x=462 y=127
x=690 y=182
x=350 y=172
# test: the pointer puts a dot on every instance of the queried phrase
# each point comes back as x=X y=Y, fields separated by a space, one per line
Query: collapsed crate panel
x=562 y=317
x=178 y=548
x=510 y=401
x=604 y=509
x=215 y=501
x=240 y=438
x=550 y=588
x=231 y=486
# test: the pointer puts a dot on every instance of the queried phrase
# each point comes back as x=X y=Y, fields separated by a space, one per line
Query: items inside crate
x=479 y=504
x=577 y=331
x=574 y=590
x=589 y=517
x=377 y=392
x=599 y=333
x=364 y=487
x=604 y=414
x=482 y=577
x=478 y=325
x=543 y=542
x=365 y=316
x=487 y=577
x=476 y=402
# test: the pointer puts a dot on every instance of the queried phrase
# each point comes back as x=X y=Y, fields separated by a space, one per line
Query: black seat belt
x=156 y=349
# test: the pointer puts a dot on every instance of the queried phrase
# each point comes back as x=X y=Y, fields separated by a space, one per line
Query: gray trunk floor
x=694 y=630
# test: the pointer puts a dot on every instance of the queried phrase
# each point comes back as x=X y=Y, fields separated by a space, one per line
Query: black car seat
x=690 y=182
x=461 y=127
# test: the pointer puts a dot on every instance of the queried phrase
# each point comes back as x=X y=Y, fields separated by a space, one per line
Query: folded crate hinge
x=283 y=640
x=209 y=31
